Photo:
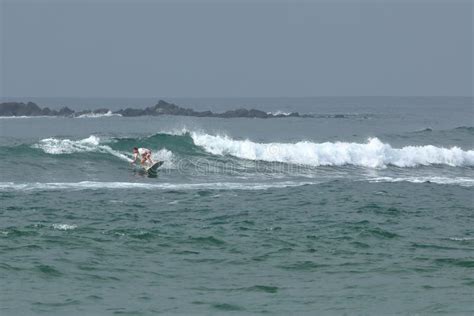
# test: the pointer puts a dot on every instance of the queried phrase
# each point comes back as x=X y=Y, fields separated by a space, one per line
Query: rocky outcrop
x=65 y=112
x=161 y=108
x=31 y=109
x=245 y=113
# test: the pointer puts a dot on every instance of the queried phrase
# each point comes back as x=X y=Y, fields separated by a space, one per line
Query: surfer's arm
x=135 y=156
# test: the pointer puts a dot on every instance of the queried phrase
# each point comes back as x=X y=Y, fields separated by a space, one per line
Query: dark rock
x=65 y=111
x=101 y=111
x=47 y=111
x=257 y=113
x=10 y=108
x=244 y=113
x=82 y=113
x=32 y=109
x=19 y=109
x=205 y=114
x=161 y=108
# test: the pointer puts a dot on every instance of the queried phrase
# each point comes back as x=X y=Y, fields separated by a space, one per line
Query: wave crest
x=373 y=154
x=55 y=146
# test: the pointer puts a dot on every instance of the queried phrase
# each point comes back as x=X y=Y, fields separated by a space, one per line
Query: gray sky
x=232 y=49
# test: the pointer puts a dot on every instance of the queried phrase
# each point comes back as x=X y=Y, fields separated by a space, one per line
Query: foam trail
x=95 y=185
x=66 y=146
x=373 y=154
x=92 y=143
x=461 y=238
x=462 y=181
x=56 y=146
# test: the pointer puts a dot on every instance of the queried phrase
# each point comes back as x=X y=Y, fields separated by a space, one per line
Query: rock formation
x=161 y=108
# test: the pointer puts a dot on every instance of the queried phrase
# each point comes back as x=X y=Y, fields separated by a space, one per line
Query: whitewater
x=373 y=154
x=200 y=160
x=362 y=206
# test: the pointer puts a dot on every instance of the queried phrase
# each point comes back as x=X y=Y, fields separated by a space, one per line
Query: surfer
x=143 y=153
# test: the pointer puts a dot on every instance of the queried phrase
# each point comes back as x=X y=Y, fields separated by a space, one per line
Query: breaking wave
x=97 y=115
x=183 y=144
x=373 y=154
x=93 y=143
x=57 y=146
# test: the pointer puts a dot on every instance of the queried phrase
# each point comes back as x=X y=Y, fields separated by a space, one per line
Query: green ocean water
x=371 y=213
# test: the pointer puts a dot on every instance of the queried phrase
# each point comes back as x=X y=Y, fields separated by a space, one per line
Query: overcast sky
x=232 y=49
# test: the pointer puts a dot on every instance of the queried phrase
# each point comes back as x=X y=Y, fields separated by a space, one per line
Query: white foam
x=94 y=185
x=462 y=181
x=97 y=115
x=56 y=146
x=373 y=154
x=164 y=155
x=27 y=117
x=66 y=146
x=175 y=132
x=279 y=113
x=461 y=238
x=64 y=226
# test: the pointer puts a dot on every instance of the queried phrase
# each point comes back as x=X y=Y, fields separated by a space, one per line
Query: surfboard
x=152 y=169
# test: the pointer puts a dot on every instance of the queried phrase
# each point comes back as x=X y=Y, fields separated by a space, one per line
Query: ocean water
x=369 y=211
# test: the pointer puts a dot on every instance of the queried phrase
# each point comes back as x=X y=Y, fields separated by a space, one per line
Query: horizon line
x=235 y=97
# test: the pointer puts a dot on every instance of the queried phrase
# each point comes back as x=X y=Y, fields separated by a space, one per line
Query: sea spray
x=93 y=143
x=56 y=146
x=373 y=154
